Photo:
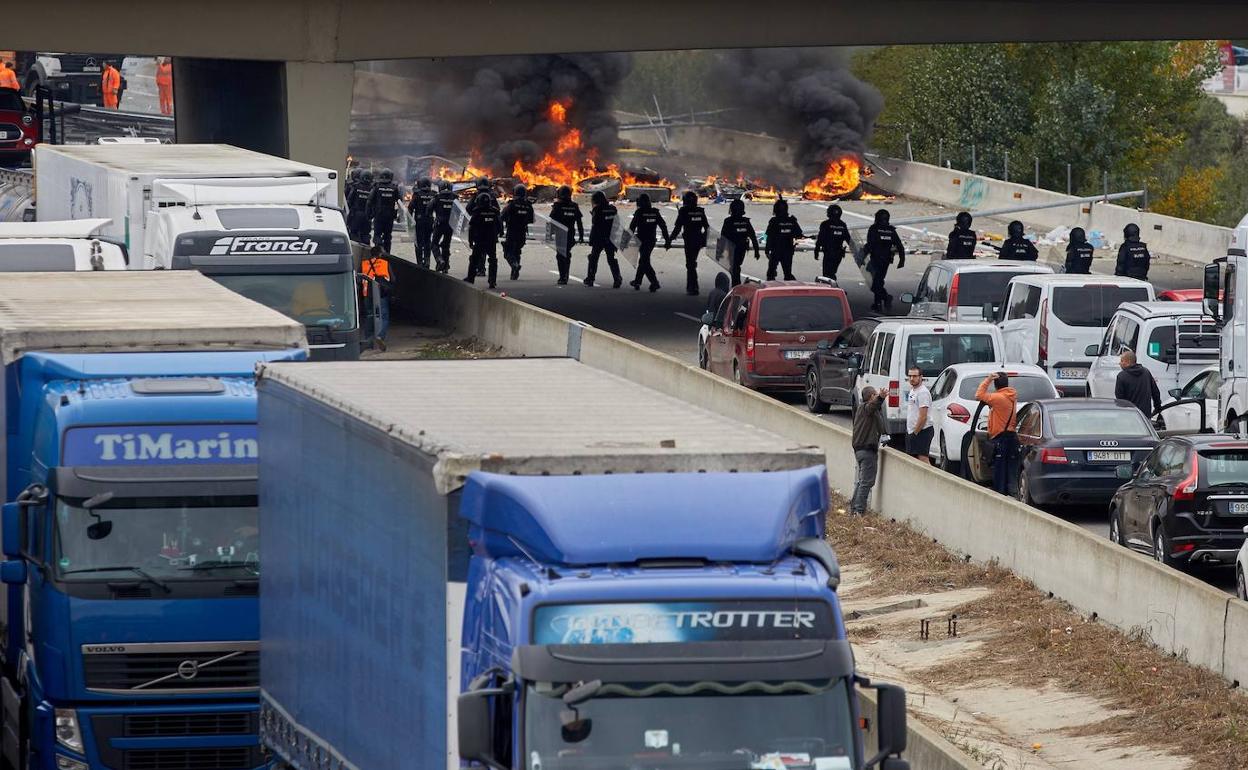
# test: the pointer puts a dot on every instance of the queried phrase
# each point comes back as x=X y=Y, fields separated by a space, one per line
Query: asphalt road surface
x=668 y=320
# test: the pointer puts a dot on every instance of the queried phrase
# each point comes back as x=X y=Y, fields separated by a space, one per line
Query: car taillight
x=749 y=341
x=894 y=393
x=1043 y=358
x=959 y=413
x=1186 y=490
x=1056 y=456
x=953 y=291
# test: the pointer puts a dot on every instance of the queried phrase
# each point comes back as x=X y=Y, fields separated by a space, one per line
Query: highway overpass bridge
x=276 y=75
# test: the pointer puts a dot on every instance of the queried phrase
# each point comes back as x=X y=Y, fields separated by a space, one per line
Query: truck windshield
x=712 y=725
x=175 y=538
x=315 y=299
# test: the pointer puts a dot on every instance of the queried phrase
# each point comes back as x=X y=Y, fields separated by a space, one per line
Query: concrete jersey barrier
x=1181 y=614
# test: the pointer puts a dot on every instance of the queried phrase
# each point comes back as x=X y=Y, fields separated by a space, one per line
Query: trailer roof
x=533 y=416
x=134 y=311
x=181 y=160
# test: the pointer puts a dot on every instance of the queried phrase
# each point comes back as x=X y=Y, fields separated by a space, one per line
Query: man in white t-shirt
x=918 y=417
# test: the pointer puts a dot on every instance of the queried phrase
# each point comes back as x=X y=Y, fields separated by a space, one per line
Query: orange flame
x=840 y=178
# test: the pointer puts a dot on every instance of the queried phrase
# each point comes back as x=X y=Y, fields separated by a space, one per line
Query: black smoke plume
x=498 y=106
x=805 y=95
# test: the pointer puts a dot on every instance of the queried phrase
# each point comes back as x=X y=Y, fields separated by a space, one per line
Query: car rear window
x=35 y=257
x=974 y=289
x=1093 y=306
x=801 y=313
x=933 y=352
x=1029 y=387
x=1224 y=467
x=1109 y=423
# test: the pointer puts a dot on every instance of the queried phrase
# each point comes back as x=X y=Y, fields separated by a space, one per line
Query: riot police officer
x=691 y=221
x=1016 y=246
x=601 y=222
x=739 y=233
x=962 y=238
x=832 y=239
x=783 y=232
x=567 y=213
x=646 y=220
x=358 y=223
x=882 y=243
x=517 y=216
x=481 y=185
x=383 y=204
x=483 y=230
x=1078 y=253
x=353 y=179
x=421 y=209
x=443 y=206
x=1133 y=256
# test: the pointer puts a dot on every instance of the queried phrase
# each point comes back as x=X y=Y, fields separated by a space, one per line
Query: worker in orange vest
x=377 y=267
x=8 y=78
x=164 y=84
x=110 y=85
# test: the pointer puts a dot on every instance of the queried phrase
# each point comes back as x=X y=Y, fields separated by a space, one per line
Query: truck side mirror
x=1212 y=284
x=476 y=733
x=891 y=719
x=11 y=529
x=13 y=572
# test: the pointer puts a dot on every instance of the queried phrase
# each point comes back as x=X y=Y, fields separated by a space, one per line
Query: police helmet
x=1131 y=232
x=564 y=193
x=834 y=212
x=444 y=186
x=881 y=217
x=963 y=219
x=366 y=177
x=387 y=175
x=354 y=174
x=1077 y=236
x=423 y=183
x=482 y=183
x=1016 y=229
x=780 y=207
x=643 y=201
x=520 y=192
x=690 y=198
x=737 y=208
x=483 y=201
x=599 y=198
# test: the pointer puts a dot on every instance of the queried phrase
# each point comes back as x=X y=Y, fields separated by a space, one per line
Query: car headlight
x=65 y=763
x=67 y=733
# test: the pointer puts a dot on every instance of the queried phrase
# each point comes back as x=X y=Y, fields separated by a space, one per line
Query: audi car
x=1187 y=503
x=1070 y=449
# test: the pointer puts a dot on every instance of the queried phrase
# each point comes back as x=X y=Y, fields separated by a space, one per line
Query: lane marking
x=697 y=321
x=570 y=276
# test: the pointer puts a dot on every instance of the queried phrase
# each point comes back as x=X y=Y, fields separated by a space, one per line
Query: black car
x=1187 y=503
x=834 y=365
x=1070 y=448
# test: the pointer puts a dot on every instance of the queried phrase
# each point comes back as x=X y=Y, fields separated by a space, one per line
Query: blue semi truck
x=530 y=584
x=130 y=617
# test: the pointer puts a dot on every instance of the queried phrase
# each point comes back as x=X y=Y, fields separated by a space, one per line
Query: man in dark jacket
x=1136 y=384
x=517 y=216
x=421 y=209
x=443 y=206
x=831 y=241
x=1078 y=253
x=1133 y=256
x=601 y=224
x=723 y=285
x=882 y=243
x=692 y=223
x=865 y=440
x=962 y=238
x=1017 y=246
x=483 y=231
x=566 y=212
x=739 y=233
x=783 y=232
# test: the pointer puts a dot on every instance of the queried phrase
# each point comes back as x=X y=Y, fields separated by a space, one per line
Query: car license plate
x=4 y=134
x=1072 y=373
x=1239 y=507
x=797 y=355
x=1106 y=457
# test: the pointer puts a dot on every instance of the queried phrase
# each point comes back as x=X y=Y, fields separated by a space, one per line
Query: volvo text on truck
x=644 y=586
x=129 y=620
x=265 y=227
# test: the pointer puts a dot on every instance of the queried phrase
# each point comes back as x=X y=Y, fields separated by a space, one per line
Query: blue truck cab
x=129 y=619
x=659 y=621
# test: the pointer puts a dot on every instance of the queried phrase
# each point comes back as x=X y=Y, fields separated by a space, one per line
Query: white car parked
x=954 y=404
x=1241 y=569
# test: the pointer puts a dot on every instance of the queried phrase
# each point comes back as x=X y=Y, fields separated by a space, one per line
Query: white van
x=50 y=247
x=957 y=289
x=1172 y=340
x=899 y=343
x=1050 y=320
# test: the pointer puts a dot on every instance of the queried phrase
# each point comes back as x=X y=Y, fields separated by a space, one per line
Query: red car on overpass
x=19 y=128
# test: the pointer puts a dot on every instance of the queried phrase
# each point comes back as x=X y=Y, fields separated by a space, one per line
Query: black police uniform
x=382 y=205
x=1133 y=260
x=739 y=232
x=782 y=235
x=517 y=216
x=1018 y=249
x=691 y=221
x=962 y=242
x=601 y=221
x=1078 y=256
x=483 y=231
x=421 y=209
x=644 y=223
x=568 y=214
x=443 y=205
x=882 y=243
x=357 y=220
x=832 y=239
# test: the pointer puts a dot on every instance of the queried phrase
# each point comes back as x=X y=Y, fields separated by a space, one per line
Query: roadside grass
x=1159 y=699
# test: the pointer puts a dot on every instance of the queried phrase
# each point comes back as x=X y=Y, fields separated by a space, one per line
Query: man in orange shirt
x=1001 y=406
x=164 y=84
x=377 y=267
x=8 y=78
x=110 y=86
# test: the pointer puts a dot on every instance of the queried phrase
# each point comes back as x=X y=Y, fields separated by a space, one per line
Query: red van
x=763 y=333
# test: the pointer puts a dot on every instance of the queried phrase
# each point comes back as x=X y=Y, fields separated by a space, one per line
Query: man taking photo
x=1001 y=428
